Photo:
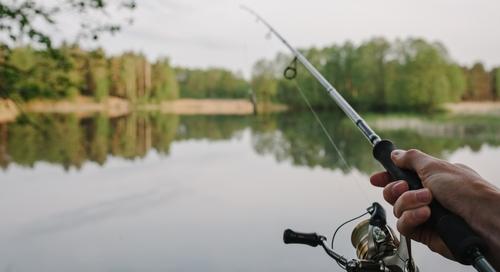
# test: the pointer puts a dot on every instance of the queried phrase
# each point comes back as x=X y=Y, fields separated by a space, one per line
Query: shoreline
x=8 y=111
x=474 y=108
x=187 y=106
x=115 y=107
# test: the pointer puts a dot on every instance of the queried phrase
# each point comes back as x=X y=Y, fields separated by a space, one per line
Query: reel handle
x=456 y=234
x=310 y=239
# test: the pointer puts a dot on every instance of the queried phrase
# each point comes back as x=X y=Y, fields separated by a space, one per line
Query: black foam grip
x=292 y=237
x=456 y=234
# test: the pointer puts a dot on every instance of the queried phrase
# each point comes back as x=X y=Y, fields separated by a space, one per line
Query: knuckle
x=430 y=167
x=402 y=204
x=395 y=210
x=387 y=192
x=427 y=169
x=413 y=153
x=399 y=226
x=402 y=224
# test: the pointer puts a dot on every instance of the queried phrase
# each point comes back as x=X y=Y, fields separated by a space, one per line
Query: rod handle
x=456 y=234
x=310 y=239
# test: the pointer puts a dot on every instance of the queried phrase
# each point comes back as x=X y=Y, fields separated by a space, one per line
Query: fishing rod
x=465 y=245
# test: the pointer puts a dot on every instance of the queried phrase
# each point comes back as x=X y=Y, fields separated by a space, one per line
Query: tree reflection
x=70 y=140
x=300 y=140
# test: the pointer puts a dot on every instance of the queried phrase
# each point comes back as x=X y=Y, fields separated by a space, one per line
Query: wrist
x=485 y=217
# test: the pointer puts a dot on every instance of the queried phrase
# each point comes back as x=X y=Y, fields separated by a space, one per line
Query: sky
x=217 y=33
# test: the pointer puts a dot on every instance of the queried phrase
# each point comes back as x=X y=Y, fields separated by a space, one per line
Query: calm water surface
x=153 y=192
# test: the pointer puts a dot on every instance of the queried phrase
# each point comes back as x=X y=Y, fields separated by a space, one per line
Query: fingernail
x=397 y=153
x=399 y=188
x=423 y=196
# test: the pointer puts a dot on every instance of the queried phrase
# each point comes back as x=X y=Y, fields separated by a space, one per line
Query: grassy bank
x=485 y=107
x=8 y=110
x=114 y=107
x=84 y=106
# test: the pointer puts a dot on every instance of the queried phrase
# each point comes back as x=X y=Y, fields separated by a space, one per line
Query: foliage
x=97 y=75
x=29 y=73
x=264 y=81
x=496 y=77
x=211 y=83
x=377 y=75
x=26 y=73
x=478 y=83
x=28 y=19
x=164 y=82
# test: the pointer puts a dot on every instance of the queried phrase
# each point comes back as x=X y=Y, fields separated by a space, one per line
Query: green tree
x=264 y=82
x=38 y=74
x=496 y=85
x=418 y=79
x=368 y=75
x=34 y=22
x=211 y=83
x=164 y=82
x=28 y=19
x=478 y=83
x=458 y=82
x=98 y=80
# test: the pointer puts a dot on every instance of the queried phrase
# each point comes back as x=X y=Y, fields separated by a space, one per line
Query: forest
x=379 y=75
x=27 y=73
x=376 y=75
x=68 y=71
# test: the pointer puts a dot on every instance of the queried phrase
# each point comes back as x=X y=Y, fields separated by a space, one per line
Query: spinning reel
x=377 y=247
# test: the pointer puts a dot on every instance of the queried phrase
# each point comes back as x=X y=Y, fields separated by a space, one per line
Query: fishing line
x=341 y=225
x=320 y=123
x=329 y=137
x=345 y=223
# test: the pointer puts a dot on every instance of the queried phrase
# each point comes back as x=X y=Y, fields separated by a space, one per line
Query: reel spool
x=372 y=242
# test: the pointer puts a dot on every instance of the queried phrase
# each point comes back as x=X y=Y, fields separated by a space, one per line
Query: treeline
x=211 y=83
x=376 y=75
x=379 y=75
x=27 y=73
x=65 y=72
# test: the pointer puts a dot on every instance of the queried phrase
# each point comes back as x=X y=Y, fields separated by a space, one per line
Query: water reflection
x=70 y=141
x=200 y=193
x=105 y=210
x=299 y=139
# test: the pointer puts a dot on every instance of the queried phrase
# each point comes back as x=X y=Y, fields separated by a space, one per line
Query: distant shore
x=479 y=108
x=8 y=110
x=210 y=107
x=115 y=107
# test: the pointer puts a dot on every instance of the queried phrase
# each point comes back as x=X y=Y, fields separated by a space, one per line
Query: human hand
x=457 y=187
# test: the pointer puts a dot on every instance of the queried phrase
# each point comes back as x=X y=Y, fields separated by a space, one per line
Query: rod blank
x=372 y=137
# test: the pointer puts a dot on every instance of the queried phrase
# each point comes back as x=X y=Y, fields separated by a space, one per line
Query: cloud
x=217 y=33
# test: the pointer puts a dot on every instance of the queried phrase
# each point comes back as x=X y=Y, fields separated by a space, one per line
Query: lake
x=156 y=192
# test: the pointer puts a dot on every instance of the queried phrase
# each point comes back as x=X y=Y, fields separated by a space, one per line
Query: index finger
x=380 y=179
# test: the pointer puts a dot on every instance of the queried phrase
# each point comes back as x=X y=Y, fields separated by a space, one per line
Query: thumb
x=412 y=160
